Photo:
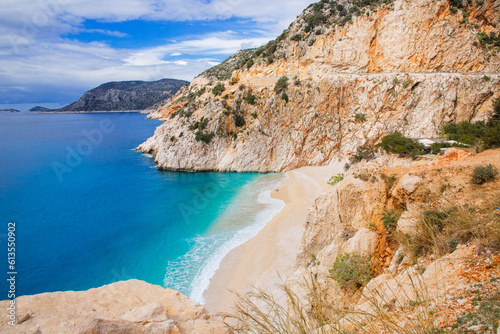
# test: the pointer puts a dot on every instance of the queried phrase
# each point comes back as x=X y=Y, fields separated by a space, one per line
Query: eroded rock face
x=123 y=307
x=350 y=218
x=409 y=68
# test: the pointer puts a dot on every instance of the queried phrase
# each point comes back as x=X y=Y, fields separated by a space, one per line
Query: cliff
x=394 y=246
x=123 y=307
x=419 y=259
x=355 y=73
x=126 y=95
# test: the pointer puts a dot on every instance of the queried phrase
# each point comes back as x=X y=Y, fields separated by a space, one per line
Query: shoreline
x=271 y=254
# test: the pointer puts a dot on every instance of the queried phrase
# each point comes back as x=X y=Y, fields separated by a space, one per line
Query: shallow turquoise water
x=90 y=210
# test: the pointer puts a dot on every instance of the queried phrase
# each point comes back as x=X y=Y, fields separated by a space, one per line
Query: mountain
x=38 y=109
x=343 y=75
x=126 y=96
x=9 y=110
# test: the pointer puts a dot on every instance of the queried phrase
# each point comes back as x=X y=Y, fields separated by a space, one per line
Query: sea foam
x=246 y=215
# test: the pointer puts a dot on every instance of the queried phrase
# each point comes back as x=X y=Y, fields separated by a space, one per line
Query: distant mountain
x=9 y=110
x=126 y=95
x=38 y=109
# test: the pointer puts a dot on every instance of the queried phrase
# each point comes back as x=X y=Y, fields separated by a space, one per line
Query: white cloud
x=34 y=59
x=81 y=66
x=105 y=32
x=31 y=18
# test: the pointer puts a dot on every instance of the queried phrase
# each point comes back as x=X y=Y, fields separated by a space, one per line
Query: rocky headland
x=125 y=96
x=409 y=66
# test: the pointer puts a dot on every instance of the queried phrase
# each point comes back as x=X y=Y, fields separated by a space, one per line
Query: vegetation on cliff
x=323 y=110
x=440 y=232
x=482 y=135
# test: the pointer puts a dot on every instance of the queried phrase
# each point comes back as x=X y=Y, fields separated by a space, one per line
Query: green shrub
x=204 y=137
x=249 y=63
x=336 y=179
x=250 y=98
x=495 y=117
x=363 y=152
x=201 y=91
x=281 y=84
x=317 y=7
x=436 y=218
x=297 y=37
x=218 y=89
x=239 y=120
x=284 y=97
x=485 y=134
x=234 y=80
x=398 y=144
x=351 y=271
x=464 y=132
x=316 y=19
x=390 y=220
x=360 y=117
x=483 y=174
x=200 y=125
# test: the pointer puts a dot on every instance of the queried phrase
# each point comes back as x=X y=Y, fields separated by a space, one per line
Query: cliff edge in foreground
x=123 y=307
x=341 y=76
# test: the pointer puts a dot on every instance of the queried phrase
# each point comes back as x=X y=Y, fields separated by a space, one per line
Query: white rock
x=364 y=242
x=410 y=184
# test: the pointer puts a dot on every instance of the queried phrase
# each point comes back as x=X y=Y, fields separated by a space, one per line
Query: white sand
x=272 y=252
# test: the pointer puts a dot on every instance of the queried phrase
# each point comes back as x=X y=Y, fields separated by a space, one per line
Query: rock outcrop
x=123 y=307
x=349 y=219
x=126 y=96
x=409 y=66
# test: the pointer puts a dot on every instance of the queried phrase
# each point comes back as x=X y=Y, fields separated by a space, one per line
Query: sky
x=52 y=51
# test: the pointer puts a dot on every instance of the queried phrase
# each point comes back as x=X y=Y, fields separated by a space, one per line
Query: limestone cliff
x=123 y=307
x=349 y=219
x=355 y=74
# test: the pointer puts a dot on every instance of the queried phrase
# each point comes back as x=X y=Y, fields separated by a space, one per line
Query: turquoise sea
x=90 y=210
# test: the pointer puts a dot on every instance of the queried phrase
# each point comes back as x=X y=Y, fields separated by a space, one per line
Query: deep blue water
x=106 y=213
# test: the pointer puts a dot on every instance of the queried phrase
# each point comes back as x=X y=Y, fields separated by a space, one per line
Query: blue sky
x=52 y=51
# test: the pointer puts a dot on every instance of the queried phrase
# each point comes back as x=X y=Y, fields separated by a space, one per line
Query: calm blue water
x=93 y=211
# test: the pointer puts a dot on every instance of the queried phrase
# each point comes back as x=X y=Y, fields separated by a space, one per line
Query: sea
x=85 y=209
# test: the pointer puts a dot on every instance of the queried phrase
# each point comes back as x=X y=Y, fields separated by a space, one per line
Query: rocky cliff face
x=354 y=75
x=124 y=307
x=126 y=95
x=348 y=219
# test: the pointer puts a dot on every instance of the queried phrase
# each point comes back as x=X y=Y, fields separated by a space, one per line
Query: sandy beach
x=271 y=253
